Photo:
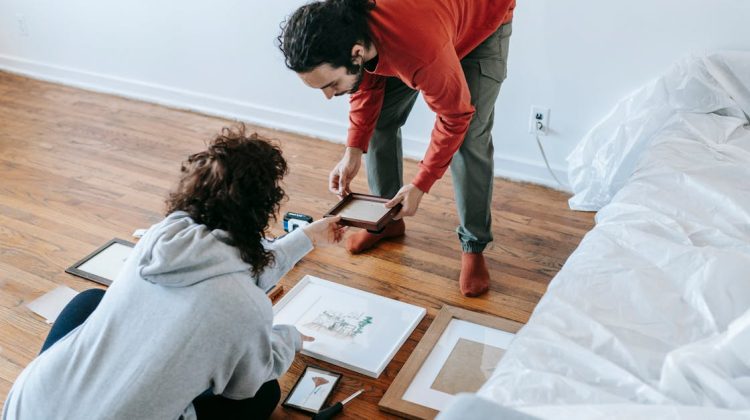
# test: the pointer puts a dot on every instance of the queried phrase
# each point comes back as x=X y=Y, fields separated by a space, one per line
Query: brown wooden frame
x=364 y=224
x=392 y=400
x=73 y=269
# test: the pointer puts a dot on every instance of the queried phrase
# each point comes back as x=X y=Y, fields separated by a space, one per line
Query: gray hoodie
x=184 y=315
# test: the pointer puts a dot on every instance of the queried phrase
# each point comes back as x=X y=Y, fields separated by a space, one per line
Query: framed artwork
x=312 y=390
x=104 y=264
x=364 y=211
x=458 y=353
x=353 y=329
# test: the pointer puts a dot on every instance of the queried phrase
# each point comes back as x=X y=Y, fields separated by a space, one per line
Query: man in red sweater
x=383 y=54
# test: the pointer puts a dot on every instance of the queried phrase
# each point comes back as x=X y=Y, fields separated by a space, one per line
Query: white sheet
x=650 y=316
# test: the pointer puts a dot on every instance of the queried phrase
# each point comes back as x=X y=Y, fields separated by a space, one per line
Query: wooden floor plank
x=78 y=168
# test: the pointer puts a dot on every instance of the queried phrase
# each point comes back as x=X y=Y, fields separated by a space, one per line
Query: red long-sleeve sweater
x=422 y=42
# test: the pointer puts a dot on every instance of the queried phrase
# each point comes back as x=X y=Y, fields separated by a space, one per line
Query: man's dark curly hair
x=234 y=185
x=325 y=32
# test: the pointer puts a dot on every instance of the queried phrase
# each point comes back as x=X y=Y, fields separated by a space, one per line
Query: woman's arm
x=289 y=249
x=270 y=352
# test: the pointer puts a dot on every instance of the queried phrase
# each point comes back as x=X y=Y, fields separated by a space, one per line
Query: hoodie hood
x=177 y=252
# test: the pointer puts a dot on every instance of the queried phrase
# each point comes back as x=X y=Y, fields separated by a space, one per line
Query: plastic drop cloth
x=650 y=316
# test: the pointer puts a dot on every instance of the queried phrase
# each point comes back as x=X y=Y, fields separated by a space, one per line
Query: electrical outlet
x=539 y=120
x=23 y=28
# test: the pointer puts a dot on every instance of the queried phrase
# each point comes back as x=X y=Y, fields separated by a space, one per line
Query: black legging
x=73 y=315
x=207 y=405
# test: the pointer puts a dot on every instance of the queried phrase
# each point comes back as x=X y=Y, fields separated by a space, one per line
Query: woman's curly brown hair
x=234 y=186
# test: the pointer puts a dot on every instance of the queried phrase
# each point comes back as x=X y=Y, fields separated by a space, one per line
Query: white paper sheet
x=52 y=303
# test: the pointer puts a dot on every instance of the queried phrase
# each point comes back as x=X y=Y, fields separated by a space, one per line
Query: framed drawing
x=104 y=264
x=312 y=390
x=364 y=211
x=353 y=329
x=458 y=353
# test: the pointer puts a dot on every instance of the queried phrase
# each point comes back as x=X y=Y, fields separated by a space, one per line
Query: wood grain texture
x=78 y=168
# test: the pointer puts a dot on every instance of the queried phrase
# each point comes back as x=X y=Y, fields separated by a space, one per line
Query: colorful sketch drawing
x=319 y=382
x=340 y=325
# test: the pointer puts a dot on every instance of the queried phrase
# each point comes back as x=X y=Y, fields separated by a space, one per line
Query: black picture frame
x=323 y=401
x=75 y=268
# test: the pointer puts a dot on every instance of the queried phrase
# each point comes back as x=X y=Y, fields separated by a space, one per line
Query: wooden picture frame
x=393 y=400
x=374 y=224
x=112 y=252
x=295 y=401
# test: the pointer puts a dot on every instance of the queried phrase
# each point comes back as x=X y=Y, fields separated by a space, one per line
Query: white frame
x=292 y=309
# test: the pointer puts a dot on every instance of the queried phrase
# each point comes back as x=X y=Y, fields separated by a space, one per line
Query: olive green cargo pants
x=472 y=166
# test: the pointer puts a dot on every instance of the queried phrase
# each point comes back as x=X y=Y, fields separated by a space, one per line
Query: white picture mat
x=367 y=353
x=371 y=211
x=420 y=391
x=108 y=262
x=303 y=393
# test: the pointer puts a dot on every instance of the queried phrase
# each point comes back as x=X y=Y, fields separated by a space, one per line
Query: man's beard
x=359 y=70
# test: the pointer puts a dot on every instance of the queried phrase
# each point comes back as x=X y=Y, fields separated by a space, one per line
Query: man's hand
x=343 y=173
x=409 y=196
x=325 y=231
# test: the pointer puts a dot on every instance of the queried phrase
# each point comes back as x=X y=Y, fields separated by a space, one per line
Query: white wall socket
x=539 y=120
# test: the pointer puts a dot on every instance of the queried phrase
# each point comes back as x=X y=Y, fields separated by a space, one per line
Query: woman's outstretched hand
x=325 y=231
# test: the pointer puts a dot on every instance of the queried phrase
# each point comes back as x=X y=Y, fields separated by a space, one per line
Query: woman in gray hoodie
x=185 y=331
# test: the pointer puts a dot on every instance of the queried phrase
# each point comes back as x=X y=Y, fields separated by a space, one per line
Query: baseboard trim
x=529 y=171
x=274 y=118
x=178 y=98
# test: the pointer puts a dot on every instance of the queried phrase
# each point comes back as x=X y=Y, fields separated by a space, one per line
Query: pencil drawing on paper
x=339 y=324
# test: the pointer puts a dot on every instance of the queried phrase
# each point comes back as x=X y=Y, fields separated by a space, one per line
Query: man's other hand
x=409 y=196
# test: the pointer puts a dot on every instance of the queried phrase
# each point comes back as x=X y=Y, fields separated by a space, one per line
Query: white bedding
x=650 y=316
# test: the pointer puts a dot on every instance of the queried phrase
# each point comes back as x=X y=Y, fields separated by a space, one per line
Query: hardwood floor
x=78 y=168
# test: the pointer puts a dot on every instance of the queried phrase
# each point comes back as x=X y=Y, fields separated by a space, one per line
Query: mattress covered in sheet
x=650 y=316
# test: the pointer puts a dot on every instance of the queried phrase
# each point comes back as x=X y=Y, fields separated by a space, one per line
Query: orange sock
x=364 y=240
x=475 y=279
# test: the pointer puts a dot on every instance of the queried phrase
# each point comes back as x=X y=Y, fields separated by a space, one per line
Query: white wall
x=577 y=57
